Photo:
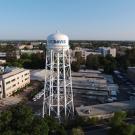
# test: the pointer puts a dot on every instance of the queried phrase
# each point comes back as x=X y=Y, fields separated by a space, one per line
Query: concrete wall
x=1 y=89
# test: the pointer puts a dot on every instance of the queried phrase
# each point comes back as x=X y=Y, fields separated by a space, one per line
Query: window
x=8 y=82
x=26 y=78
x=13 y=80
x=14 y=85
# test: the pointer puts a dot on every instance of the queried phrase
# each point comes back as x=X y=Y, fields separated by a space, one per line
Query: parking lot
x=126 y=87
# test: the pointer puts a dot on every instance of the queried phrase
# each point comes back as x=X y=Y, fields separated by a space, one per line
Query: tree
x=118 y=118
x=79 y=58
x=75 y=66
x=92 y=62
x=54 y=127
x=123 y=129
x=119 y=127
x=23 y=118
x=39 y=127
x=128 y=129
x=8 y=132
x=5 y=120
x=19 y=120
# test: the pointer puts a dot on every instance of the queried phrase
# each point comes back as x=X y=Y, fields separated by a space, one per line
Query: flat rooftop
x=104 y=109
x=12 y=72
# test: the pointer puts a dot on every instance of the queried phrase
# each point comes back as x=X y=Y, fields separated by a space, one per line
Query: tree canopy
x=119 y=126
x=19 y=120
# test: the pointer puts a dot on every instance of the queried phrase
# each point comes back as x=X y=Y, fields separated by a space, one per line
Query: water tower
x=58 y=93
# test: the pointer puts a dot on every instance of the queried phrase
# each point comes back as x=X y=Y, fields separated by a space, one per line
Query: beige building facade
x=14 y=80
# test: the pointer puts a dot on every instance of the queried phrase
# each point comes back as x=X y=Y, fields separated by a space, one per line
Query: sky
x=79 y=19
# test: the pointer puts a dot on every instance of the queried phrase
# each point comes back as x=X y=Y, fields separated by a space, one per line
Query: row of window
x=17 y=78
x=9 y=94
x=18 y=83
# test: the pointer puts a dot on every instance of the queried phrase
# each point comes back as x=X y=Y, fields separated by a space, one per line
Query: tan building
x=25 y=46
x=113 y=52
x=84 y=52
x=14 y=80
x=2 y=61
x=107 y=50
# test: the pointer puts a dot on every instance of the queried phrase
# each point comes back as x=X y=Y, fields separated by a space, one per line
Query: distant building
x=25 y=46
x=2 y=61
x=107 y=50
x=14 y=80
x=126 y=47
x=31 y=51
x=3 y=54
x=131 y=73
x=3 y=44
x=35 y=43
x=84 y=52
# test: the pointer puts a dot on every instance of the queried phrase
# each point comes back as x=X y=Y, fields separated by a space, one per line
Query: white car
x=114 y=98
x=109 y=100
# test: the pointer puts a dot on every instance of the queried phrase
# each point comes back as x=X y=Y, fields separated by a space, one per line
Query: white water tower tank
x=58 y=41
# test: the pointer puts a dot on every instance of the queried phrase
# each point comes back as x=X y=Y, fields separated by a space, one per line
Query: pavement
x=125 y=86
x=9 y=101
x=105 y=110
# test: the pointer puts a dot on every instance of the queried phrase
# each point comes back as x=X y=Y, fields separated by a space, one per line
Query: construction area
x=92 y=87
x=104 y=111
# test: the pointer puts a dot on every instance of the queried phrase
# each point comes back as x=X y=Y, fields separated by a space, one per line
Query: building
x=35 y=43
x=1 y=89
x=31 y=51
x=2 y=61
x=84 y=52
x=14 y=80
x=3 y=54
x=107 y=50
x=25 y=46
x=131 y=73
